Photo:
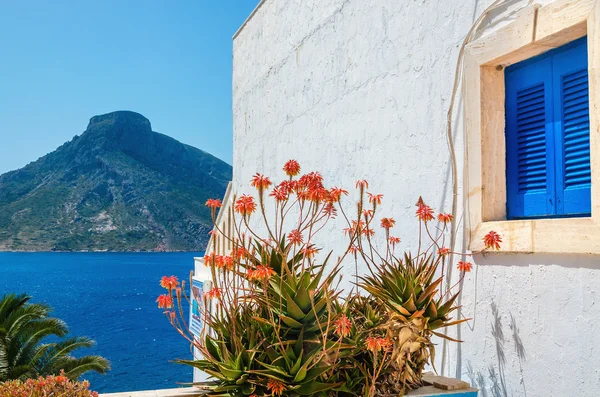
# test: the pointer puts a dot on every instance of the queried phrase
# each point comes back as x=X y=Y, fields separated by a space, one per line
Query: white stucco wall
x=359 y=90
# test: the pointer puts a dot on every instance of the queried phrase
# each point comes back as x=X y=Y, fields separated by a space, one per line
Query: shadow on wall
x=493 y=384
x=503 y=13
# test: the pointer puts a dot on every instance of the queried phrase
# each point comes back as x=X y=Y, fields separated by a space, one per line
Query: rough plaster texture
x=360 y=89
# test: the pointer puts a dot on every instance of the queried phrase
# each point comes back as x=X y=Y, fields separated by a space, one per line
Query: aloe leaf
x=308 y=389
x=294 y=310
x=290 y=322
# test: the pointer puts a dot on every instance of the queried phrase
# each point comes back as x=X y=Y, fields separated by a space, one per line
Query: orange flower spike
x=276 y=387
x=354 y=250
x=443 y=251
x=309 y=252
x=260 y=182
x=368 y=232
x=239 y=253
x=330 y=210
x=375 y=199
x=292 y=168
x=394 y=241
x=335 y=194
x=445 y=218
x=213 y=204
x=169 y=282
x=295 y=237
x=262 y=272
x=362 y=184
x=368 y=213
x=492 y=240
x=227 y=262
x=310 y=181
x=213 y=293
x=387 y=223
x=245 y=205
x=317 y=194
x=164 y=301
x=372 y=344
x=209 y=260
x=385 y=343
x=464 y=266
x=424 y=213
x=342 y=326
x=279 y=193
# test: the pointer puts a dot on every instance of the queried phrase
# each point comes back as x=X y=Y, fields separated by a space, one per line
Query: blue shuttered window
x=548 y=135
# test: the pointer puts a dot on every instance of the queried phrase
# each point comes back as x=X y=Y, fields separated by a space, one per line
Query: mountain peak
x=119 y=186
x=119 y=116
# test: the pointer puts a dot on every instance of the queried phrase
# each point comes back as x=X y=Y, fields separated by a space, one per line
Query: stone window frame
x=534 y=30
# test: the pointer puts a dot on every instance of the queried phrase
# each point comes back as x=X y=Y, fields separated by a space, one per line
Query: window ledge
x=564 y=235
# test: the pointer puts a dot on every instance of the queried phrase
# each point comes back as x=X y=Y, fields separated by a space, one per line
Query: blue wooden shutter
x=572 y=130
x=530 y=154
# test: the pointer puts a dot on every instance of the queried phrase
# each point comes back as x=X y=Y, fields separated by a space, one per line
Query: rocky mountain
x=119 y=186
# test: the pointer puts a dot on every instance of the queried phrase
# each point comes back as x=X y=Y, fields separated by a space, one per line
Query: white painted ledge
x=180 y=392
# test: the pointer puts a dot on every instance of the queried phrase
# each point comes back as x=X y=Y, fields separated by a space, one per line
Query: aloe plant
x=415 y=309
x=280 y=326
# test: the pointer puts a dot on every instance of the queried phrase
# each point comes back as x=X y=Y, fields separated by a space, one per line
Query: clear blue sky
x=64 y=61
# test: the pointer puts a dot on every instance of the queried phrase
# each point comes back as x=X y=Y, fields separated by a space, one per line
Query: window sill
x=562 y=235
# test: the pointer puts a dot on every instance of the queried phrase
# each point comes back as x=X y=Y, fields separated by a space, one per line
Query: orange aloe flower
x=239 y=252
x=279 y=193
x=464 y=266
x=335 y=194
x=245 y=205
x=362 y=184
x=424 y=213
x=329 y=209
x=292 y=168
x=445 y=218
x=368 y=232
x=492 y=240
x=164 y=301
x=443 y=251
x=317 y=193
x=276 y=387
x=342 y=326
x=169 y=282
x=262 y=272
x=209 y=260
x=213 y=204
x=354 y=250
x=309 y=252
x=394 y=240
x=213 y=293
x=311 y=180
x=376 y=344
x=368 y=213
x=375 y=199
x=295 y=237
x=260 y=182
x=387 y=223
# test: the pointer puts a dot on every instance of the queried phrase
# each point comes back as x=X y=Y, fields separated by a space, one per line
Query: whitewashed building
x=361 y=89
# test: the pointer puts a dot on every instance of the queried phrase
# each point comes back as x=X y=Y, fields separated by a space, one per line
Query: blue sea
x=110 y=297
